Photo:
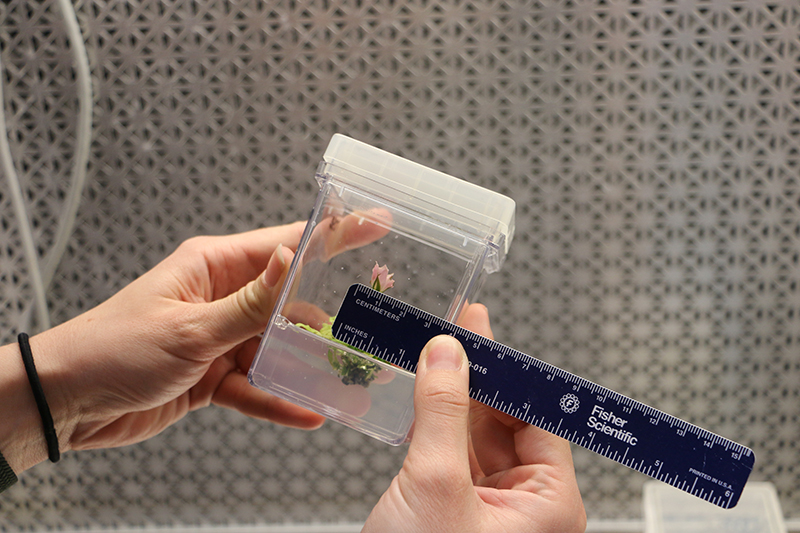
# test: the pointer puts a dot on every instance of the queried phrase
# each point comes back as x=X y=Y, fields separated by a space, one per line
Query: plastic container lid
x=436 y=194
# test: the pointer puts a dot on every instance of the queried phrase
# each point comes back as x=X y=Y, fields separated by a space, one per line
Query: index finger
x=337 y=234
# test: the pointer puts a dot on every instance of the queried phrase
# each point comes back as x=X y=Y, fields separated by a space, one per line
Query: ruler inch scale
x=610 y=424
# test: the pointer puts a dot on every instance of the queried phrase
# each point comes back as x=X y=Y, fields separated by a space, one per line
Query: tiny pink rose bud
x=381 y=279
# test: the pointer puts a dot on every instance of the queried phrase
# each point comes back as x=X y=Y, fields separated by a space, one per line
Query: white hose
x=83 y=144
x=25 y=232
x=42 y=276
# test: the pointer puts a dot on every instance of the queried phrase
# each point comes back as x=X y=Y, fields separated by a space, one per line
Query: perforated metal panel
x=652 y=148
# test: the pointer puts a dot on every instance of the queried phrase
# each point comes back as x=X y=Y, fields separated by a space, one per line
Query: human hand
x=470 y=468
x=180 y=337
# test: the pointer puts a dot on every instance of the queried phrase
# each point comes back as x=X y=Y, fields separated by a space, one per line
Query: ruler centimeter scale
x=617 y=427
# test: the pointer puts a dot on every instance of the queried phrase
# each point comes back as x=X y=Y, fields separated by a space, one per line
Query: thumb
x=439 y=449
x=245 y=313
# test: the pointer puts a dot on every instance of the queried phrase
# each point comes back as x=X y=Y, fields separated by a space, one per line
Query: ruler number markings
x=608 y=423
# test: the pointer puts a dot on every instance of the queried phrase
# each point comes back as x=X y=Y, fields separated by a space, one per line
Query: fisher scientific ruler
x=617 y=427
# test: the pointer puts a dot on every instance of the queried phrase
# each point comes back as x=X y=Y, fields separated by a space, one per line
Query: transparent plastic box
x=438 y=235
x=669 y=510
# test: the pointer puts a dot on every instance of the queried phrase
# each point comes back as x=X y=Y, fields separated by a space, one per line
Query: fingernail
x=444 y=353
x=275 y=267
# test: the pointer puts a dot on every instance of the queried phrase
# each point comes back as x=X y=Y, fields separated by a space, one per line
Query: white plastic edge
x=416 y=181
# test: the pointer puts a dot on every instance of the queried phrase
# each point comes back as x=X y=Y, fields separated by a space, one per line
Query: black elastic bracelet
x=38 y=394
x=7 y=475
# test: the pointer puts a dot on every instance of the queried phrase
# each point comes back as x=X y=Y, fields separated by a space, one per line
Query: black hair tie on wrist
x=38 y=394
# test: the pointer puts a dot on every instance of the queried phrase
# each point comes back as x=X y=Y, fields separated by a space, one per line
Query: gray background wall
x=651 y=146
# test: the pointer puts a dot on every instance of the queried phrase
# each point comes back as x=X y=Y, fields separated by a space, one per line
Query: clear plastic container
x=438 y=236
x=669 y=510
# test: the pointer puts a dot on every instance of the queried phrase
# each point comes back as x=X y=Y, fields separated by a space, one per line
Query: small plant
x=354 y=370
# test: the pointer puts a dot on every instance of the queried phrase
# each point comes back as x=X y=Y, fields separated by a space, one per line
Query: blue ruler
x=642 y=438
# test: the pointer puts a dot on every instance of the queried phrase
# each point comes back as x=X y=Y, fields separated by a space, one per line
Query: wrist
x=22 y=438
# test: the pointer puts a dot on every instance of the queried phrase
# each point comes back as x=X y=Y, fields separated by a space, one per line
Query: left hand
x=180 y=337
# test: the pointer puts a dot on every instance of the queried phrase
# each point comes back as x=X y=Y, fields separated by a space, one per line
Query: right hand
x=475 y=469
